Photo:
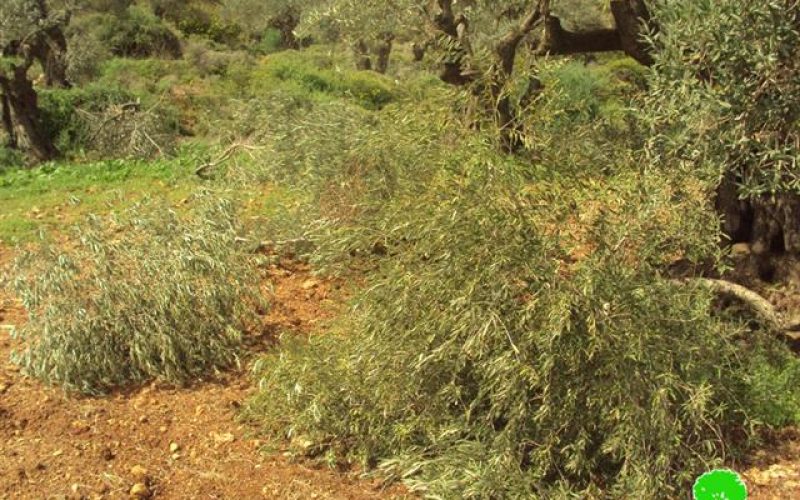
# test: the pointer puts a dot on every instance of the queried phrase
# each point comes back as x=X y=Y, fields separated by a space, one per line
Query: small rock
x=58 y=453
x=226 y=437
x=139 y=473
x=174 y=447
x=79 y=427
x=140 y=490
x=106 y=454
x=3 y=388
x=310 y=284
x=75 y=487
x=162 y=429
x=175 y=456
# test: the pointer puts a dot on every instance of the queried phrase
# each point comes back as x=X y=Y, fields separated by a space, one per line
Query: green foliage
x=728 y=70
x=10 y=158
x=86 y=52
x=143 y=294
x=255 y=16
x=269 y=42
x=774 y=375
x=580 y=91
x=108 y=120
x=61 y=112
x=138 y=33
x=518 y=339
x=485 y=361
x=198 y=18
x=370 y=90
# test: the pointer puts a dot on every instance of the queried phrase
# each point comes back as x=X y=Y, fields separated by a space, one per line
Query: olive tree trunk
x=21 y=109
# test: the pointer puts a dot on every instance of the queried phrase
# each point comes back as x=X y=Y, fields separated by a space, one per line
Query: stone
x=140 y=490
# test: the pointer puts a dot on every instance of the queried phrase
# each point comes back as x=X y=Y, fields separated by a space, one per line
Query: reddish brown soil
x=775 y=472
x=54 y=445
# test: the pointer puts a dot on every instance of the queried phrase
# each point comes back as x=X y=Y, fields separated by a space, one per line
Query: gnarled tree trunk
x=383 y=49
x=24 y=113
x=286 y=23
x=8 y=124
x=361 y=53
x=50 y=50
x=631 y=18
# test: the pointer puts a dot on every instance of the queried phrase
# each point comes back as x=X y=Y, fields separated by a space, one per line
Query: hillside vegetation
x=533 y=205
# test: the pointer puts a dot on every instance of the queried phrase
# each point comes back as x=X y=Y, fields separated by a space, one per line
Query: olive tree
x=30 y=31
x=479 y=42
x=727 y=101
x=256 y=16
x=370 y=27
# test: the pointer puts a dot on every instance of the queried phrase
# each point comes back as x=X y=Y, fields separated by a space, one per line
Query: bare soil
x=187 y=442
x=178 y=442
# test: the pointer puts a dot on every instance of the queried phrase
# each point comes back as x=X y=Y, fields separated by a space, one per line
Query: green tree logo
x=721 y=484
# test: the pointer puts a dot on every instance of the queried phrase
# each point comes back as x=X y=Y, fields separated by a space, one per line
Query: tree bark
x=558 y=41
x=383 y=49
x=503 y=68
x=24 y=111
x=632 y=18
x=286 y=23
x=768 y=223
x=51 y=51
x=361 y=53
x=8 y=124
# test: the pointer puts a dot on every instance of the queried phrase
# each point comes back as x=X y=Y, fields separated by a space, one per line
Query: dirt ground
x=178 y=443
x=186 y=443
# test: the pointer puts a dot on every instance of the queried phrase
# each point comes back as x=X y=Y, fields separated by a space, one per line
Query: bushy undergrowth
x=137 y=33
x=10 y=158
x=495 y=356
x=369 y=89
x=729 y=70
x=108 y=121
x=144 y=294
x=517 y=336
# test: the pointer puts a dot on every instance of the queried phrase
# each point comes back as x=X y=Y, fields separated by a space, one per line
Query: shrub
x=728 y=70
x=485 y=361
x=370 y=90
x=138 y=33
x=147 y=293
x=61 y=116
x=10 y=158
x=520 y=337
x=270 y=42
x=86 y=52
x=207 y=61
x=107 y=120
x=196 y=19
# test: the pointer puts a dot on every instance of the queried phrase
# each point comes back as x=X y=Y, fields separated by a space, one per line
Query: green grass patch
x=324 y=78
x=53 y=195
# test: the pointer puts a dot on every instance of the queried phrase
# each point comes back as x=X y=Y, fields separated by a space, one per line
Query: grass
x=54 y=195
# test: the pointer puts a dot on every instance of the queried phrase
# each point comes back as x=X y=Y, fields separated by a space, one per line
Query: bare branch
x=763 y=308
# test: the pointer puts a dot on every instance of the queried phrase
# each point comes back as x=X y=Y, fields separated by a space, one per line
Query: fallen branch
x=761 y=306
x=226 y=155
